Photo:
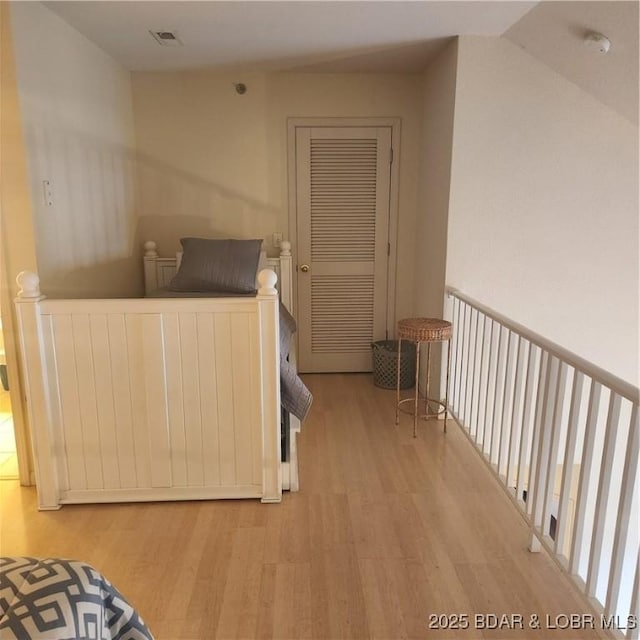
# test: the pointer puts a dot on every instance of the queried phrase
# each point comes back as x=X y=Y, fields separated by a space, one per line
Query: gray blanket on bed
x=294 y=395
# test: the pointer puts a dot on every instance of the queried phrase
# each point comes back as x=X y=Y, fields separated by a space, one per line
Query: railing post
x=445 y=375
x=286 y=276
x=270 y=387
x=624 y=518
x=36 y=388
x=150 y=268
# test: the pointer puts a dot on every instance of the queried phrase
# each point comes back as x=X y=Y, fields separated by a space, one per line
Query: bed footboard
x=152 y=399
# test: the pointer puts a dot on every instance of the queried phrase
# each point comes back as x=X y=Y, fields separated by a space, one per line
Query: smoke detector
x=166 y=38
x=597 y=42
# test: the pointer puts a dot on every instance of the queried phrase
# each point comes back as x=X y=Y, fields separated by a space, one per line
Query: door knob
x=304 y=268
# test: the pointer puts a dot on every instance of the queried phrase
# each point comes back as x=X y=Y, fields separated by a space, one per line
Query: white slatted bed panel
x=158 y=273
x=154 y=399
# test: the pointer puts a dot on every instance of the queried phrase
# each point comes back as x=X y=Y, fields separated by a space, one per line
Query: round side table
x=420 y=330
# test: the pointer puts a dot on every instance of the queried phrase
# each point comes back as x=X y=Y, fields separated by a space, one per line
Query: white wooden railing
x=562 y=437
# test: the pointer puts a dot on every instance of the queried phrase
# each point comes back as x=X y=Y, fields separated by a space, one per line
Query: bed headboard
x=159 y=271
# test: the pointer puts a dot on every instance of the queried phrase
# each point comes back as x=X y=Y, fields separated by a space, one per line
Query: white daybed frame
x=158 y=273
x=156 y=398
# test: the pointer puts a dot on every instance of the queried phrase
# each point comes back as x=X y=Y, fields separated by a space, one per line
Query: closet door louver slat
x=342 y=235
x=342 y=309
x=343 y=172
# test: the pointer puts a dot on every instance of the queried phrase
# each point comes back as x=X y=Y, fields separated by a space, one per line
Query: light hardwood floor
x=385 y=531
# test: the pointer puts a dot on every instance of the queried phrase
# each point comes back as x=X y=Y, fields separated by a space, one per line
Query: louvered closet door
x=342 y=193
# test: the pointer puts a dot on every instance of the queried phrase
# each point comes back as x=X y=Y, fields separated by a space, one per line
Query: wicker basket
x=385 y=363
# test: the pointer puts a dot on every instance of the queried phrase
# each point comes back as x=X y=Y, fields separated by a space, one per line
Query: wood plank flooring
x=386 y=531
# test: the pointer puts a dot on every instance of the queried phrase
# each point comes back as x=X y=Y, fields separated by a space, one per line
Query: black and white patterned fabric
x=54 y=599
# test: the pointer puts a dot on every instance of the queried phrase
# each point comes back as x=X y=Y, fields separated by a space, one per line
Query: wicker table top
x=424 y=329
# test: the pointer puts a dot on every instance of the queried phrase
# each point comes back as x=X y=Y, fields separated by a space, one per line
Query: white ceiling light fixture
x=166 y=38
x=597 y=42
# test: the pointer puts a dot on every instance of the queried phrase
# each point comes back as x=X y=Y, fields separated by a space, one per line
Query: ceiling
x=364 y=36
x=554 y=32
x=269 y=36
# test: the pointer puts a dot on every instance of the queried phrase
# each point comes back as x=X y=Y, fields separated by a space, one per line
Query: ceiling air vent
x=166 y=38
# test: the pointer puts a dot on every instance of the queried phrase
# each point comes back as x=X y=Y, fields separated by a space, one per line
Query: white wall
x=439 y=87
x=78 y=124
x=212 y=162
x=543 y=220
x=439 y=91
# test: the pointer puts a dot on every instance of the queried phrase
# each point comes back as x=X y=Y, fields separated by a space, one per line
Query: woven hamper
x=385 y=363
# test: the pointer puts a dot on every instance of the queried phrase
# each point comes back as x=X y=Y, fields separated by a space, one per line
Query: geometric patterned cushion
x=54 y=599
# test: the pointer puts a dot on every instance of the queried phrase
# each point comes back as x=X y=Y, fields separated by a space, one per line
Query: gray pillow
x=217 y=265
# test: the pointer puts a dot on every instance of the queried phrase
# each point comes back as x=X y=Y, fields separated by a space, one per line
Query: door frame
x=392 y=263
x=26 y=474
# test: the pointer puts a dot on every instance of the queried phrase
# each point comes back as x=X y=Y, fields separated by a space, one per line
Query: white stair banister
x=561 y=435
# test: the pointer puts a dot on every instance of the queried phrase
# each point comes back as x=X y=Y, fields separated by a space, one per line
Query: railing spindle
x=629 y=486
x=537 y=430
x=585 y=475
x=475 y=380
x=462 y=333
x=602 y=500
x=484 y=376
x=497 y=393
x=514 y=436
x=468 y=381
x=544 y=448
x=487 y=415
x=556 y=428
x=569 y=458
x=634 y=609
x=455 y=374
x=523 y=458
x=505 y=432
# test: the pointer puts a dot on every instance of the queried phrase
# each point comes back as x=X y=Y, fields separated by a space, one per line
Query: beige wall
x=202 y=158
x=543 y=220
x=212 y=162
x=76 y=110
